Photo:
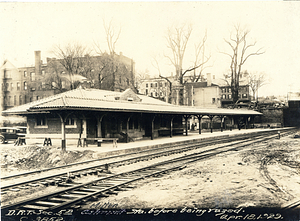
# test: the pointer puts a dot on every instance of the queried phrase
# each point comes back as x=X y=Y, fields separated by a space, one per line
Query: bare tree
x=53 y=78
x=241 y=51
x=256 y=81
x=73 y=57
x=177 y=40
x=200 y=60
x=117 y=69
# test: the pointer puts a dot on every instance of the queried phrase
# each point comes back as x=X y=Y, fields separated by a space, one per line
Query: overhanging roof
x=101 y=100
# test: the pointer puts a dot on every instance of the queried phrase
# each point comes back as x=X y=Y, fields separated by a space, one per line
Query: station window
x=12 y=86
x=146 y=85
x=25 y=85
x=18 y=86
x=15 y=100
x=146 y=91
x=229 y=96
x=244 y=95
x=151 y=85
x=20 y=99
x=41 y=121
x=229 y=90
x=70 y=121
x=155 y=84
x=25 y=74
x=213 y=100
x=223 y=96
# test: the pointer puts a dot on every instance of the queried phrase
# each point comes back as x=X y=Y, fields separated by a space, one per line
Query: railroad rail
x=60 y=178
x=105 y=185
x=292 y=206
x=163 y=148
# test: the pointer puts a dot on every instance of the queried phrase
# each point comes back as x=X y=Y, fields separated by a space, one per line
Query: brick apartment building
x=26 y=84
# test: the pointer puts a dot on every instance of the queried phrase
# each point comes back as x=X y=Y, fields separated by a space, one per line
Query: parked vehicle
x=11 y=133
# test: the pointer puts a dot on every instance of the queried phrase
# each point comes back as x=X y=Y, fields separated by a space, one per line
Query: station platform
x=107 y=149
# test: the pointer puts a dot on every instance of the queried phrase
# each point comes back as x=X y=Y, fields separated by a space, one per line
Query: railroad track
x=170 y=146
x=78 y=194
x=209 y=141
x=292 y=206
x=109 y=162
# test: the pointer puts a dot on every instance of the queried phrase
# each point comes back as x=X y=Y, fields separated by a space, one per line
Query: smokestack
x=208 y=79
x=37 y=56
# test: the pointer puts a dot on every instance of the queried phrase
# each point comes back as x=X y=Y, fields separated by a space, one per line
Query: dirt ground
x=264 y=175
x=20 y=159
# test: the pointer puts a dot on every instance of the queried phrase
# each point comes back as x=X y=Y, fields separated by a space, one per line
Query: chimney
x=208 y=79
x=37 y=56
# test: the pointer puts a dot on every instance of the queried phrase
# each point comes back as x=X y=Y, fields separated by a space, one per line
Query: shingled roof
x=102 y=100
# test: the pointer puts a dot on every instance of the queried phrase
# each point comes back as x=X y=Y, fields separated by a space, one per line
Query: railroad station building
x=94 y=113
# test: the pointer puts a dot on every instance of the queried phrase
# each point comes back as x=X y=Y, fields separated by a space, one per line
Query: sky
x=273 y=25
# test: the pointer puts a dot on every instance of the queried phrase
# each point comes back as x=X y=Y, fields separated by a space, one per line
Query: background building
x=27 y=84
x=226 y=95
x=155 y=87
x=203 y=94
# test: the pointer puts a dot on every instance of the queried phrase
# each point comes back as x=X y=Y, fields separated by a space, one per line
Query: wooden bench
x=99 y=141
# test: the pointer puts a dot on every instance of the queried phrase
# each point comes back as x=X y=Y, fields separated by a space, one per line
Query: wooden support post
x=222 y=122
x=127 y=129
x=186 y=126
x=232 y=123
x=200 y=124
x=99 y=123
x=211 y=123
x=152 y=128
x=186 y=117
x=171 y=127
x=63 y=133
